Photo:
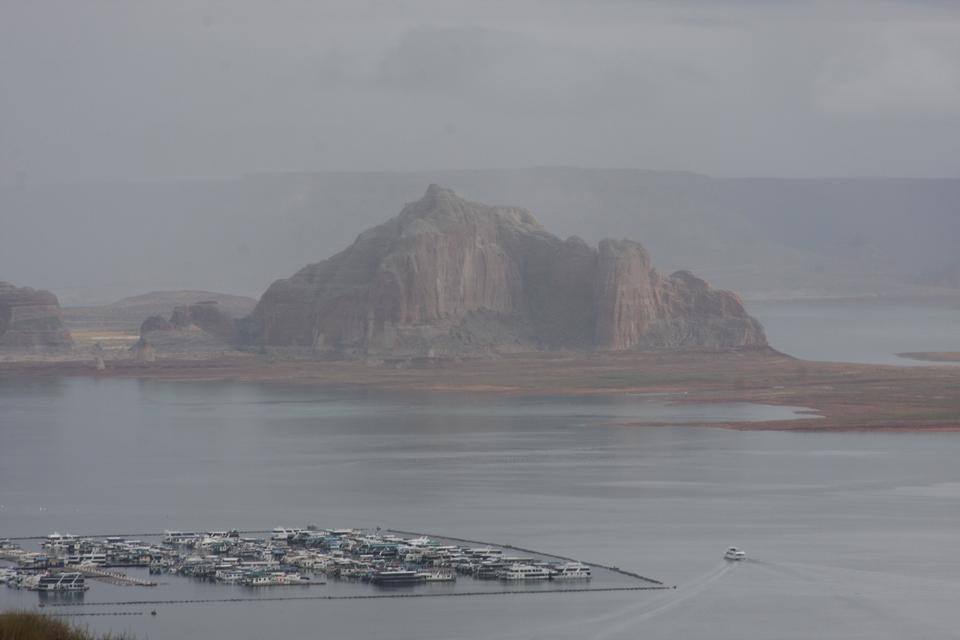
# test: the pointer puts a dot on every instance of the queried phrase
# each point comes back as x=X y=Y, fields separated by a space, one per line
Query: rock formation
x=195 y=328
x=638 y=308
x=452 y=277
x=30 y=319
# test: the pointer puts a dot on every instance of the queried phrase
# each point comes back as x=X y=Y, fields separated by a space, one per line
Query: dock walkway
x=112 y=577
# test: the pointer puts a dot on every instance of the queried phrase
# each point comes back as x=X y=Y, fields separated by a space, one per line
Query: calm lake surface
x=848 y=535
x=871 y=332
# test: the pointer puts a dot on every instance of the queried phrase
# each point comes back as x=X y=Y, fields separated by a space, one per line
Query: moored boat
x=525 y=572
x=277 y=579
x=571 y=571
x=59 y=582
x=389 y=577
x=438 y=575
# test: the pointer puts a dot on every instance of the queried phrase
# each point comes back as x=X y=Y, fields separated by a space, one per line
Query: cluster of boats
x=286 y=557
x=64 y=549
x=351 y=554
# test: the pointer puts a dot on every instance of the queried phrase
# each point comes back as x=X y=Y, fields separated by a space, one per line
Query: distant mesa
x=128 y=313
x=195 y=328
x=448 y=277
x=159 y=301
x=30 y=319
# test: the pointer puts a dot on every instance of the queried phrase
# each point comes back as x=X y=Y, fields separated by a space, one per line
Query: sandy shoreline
x=849 y=397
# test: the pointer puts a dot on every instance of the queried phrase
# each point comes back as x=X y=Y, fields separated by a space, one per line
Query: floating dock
x=113 y=577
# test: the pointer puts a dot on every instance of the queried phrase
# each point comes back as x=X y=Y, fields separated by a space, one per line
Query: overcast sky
x=174 y=89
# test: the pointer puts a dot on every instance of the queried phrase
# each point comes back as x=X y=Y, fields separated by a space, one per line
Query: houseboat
x=59 y=582
x=571 y=571
x=388 y=577
x=516 y=572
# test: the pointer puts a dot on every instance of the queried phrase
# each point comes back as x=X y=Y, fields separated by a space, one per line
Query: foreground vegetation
x=26 y=625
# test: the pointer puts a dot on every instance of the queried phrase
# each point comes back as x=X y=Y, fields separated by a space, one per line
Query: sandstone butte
x=195 y=329
x=447 y=277
x=30 y=319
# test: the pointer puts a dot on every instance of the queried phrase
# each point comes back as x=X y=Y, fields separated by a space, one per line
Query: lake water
x=871 y=332
x=849 y=535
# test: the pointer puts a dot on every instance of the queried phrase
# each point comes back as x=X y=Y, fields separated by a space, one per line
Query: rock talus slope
x=452 y=277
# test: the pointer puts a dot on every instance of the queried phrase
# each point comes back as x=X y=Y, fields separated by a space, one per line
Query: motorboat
x=733 y=553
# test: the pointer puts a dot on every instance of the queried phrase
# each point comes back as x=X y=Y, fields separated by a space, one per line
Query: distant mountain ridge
x=762 y=237
x=450 y=277
x=126 y=314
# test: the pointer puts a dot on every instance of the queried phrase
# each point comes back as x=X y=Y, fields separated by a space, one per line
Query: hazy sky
x=175 y=89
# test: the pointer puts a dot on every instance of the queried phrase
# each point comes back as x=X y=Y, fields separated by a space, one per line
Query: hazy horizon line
x=28 y=184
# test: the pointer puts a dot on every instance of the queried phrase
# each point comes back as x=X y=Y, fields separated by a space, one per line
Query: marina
x=290 y=563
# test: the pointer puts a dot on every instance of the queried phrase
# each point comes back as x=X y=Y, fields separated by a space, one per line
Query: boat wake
x=797 y=571
x=669 y=600
x=615 y=622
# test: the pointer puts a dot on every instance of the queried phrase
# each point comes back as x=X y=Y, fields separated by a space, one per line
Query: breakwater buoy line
x=622 y=572
x=89 y=615
x=369 y=596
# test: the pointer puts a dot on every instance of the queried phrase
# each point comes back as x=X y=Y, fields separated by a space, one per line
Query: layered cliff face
x=30 y=319
x=448 y=277
x=638 y=308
